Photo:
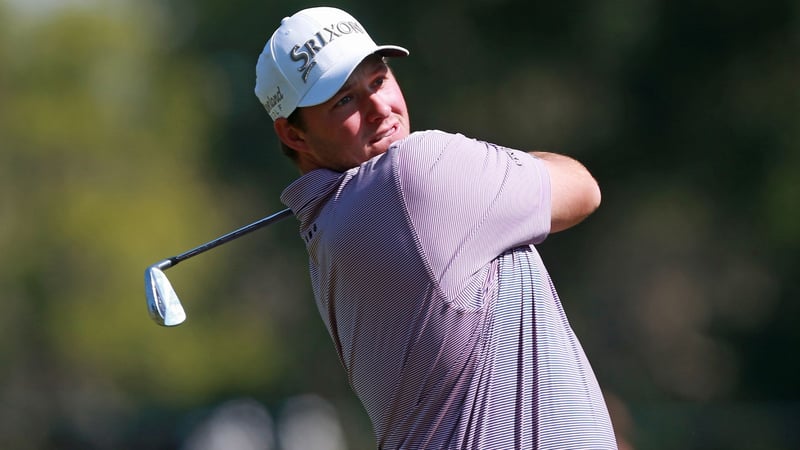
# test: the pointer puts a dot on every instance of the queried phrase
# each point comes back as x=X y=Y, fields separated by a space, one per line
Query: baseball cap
x=309 y=58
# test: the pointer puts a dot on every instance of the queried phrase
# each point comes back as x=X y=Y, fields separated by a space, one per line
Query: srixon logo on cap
x=306 y=51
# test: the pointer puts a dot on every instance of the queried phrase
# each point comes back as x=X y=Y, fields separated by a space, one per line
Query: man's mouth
x=384 y=134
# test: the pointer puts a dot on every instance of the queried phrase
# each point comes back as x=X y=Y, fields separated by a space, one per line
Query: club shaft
x=280 y=215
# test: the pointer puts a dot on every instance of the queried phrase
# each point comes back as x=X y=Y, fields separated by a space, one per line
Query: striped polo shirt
x=424 y=270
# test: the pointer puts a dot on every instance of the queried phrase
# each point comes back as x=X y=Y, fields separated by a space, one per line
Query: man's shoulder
x=422 y=148
x=424 y=139
x=418 y=152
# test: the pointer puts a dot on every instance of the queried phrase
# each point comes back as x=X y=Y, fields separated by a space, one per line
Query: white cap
x=309 y=58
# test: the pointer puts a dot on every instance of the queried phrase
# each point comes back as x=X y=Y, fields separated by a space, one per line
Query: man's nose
x=378 y=107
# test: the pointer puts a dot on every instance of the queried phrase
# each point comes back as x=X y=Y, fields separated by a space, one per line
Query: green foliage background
x=129 y=132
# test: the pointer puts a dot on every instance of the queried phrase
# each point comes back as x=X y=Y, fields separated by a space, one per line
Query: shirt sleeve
x=469 y=201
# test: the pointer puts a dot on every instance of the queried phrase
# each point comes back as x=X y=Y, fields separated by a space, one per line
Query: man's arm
x=573 y=190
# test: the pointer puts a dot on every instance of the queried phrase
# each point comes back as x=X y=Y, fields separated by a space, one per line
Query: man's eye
x=344 y=100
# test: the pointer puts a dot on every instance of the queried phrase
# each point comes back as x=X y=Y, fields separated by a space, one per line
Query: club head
x=162 y=302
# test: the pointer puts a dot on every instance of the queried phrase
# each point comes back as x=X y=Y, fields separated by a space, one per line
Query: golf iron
x=162 y=302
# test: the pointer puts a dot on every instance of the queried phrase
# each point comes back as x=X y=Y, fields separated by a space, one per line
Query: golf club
x=162 y=302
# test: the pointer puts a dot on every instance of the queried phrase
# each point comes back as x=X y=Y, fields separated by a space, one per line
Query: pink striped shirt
x=424 y=271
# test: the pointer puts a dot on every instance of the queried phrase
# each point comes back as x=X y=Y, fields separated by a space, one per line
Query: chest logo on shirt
x=309 y=234
x=514 y=157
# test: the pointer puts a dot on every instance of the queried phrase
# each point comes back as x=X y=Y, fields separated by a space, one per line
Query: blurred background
x=129 y=132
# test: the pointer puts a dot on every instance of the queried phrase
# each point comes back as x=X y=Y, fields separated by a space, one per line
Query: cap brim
x=336 y=76
x=393 y=51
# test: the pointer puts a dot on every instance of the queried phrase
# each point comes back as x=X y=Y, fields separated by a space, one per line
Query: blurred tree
x=102 y=132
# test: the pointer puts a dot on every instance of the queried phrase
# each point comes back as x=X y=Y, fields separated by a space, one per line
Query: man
x=421 y=253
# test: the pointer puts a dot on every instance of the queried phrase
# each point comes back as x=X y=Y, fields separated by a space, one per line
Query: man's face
x=359 y=122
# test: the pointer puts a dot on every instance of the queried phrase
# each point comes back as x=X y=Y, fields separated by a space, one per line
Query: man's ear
x=290 y=135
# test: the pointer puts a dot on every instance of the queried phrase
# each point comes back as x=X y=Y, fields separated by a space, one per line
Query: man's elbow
x=593 y=197
x=585 y=200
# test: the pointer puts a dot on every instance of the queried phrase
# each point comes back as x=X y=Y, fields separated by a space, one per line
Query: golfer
x=421 y=253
